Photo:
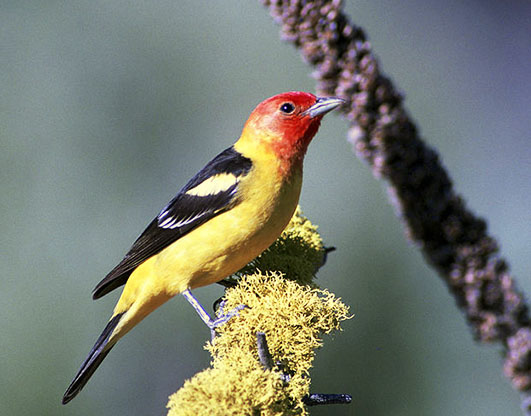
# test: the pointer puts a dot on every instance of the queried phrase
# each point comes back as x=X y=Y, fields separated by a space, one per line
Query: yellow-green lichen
x=230 y=390
x=285 y=311
x=293 y=316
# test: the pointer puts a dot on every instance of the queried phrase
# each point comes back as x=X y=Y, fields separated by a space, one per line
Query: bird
x=224 y=217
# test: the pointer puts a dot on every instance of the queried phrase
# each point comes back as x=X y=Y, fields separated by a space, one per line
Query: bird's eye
x=287 y=108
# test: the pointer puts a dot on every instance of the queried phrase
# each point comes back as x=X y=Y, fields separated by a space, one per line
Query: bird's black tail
x=98 y=352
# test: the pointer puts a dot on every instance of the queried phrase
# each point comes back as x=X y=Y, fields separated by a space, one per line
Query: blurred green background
x=108 y=107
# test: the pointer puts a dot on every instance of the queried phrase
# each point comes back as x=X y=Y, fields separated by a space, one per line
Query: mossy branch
x=262 y=358
x=453 y=239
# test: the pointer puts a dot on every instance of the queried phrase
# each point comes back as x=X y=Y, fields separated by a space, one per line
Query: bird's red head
x=286 y=123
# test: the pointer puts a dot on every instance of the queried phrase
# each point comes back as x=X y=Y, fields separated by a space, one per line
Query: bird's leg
x=211 y=323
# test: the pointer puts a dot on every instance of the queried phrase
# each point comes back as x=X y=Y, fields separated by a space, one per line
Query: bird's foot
x=205 y=317
x=224 y=317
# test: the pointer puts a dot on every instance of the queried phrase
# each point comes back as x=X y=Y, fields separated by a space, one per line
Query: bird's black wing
x=209 y=193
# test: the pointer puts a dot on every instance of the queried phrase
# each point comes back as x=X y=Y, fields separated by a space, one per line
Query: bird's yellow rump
x=224 y=217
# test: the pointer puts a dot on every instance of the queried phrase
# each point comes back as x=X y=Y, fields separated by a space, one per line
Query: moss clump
x=293 y=316
x=232 y=389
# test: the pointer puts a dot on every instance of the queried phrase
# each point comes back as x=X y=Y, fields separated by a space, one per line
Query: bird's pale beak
x=323 y=105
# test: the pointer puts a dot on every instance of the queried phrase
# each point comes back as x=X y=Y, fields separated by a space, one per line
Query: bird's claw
x=224 y=317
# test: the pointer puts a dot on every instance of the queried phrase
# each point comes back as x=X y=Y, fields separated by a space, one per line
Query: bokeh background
x=108 y=107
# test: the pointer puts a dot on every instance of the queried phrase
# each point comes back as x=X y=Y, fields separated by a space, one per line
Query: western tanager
x=224 y=217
